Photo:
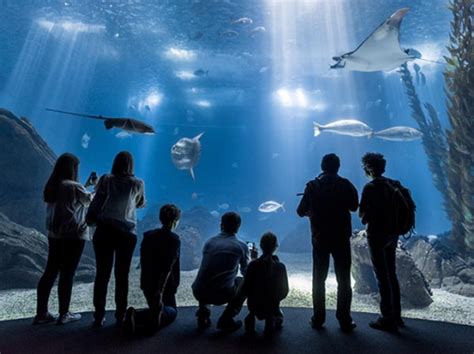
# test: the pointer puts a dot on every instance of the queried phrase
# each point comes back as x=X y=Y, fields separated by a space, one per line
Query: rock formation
x=414 y=289
x=23 y=258
x=297 y=240
x=26 y=162
x=441 y=265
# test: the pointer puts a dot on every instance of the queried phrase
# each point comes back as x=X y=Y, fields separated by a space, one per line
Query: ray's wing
x=384 y=40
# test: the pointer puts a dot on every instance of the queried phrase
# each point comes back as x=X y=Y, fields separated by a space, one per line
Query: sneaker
x=228 y=324
x=68 y=317
x=383 y=324
x=129 y=321
x=316 y=323
x=249 y=323
x=46 y=318
x=347 y=326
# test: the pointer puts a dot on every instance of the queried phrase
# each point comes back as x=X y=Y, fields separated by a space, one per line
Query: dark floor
x=297 y=336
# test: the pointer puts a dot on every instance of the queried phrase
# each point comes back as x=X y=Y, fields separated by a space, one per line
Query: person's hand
x=92 y=180
x=253 y=253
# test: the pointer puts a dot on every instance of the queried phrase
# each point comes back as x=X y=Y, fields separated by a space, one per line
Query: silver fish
x=243 y=21
x=186 y=152
x=349 y=127
x=229 y=33
x=399 y=134
x=271 y=207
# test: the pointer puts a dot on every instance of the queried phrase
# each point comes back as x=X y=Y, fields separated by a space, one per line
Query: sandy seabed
x=445 y=307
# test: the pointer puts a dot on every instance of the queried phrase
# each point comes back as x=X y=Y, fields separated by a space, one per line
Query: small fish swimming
x=271 y=207
x=263 y=69
x=349 y=127
x=257 y=30
x=123 y=135
x=85 y=140
x=229 y=34
x=186 y=152
x=399 y=134
x=215 y=214
x=201 y=72
x=243 y=21
x=194 y=196
x=223 y=206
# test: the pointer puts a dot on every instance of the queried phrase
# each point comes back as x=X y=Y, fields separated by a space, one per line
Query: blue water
x=256 y=105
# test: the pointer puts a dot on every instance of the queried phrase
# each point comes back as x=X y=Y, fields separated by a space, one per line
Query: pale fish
x=349 y=127
x=399 y=134
x=271 y=207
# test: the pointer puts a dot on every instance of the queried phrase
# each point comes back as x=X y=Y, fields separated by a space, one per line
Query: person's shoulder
x=151 y=233
x=241 y=242
x=345 y=181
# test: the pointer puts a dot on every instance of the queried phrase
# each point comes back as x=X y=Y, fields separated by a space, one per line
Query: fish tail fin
x=283 y=206
x=108 y=124
x=197 y=137
x=317 y=129
x=191 y=171
x=371 y=135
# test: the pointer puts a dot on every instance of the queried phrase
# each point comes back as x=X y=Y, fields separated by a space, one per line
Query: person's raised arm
x=141 y=201
x=244 y=260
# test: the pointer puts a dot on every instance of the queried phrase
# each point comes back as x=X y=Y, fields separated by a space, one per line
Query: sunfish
x=399 y=134
x=271 y=207
x=380 y=51
x=186 y=152
x=349 y=127
x=127 y=124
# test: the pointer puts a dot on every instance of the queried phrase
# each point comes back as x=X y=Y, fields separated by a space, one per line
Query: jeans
x=383 y=256
x=341 y=254
x=63 y=257
x=234 y=298
x=144 y=320
x=109 y=243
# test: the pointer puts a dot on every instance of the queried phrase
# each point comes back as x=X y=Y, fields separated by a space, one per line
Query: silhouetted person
x=67 y=202
x=265 y=285
x=217 y=282
x=118 y=194
x=375 y=209
x=159 y=258
x=328 y=201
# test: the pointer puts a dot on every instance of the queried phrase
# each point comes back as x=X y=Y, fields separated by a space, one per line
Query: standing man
x=328 y=201
x=217 y=281
x=383 y=201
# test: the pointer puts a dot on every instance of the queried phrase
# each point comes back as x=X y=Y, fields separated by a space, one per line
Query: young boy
x=159 y=257
x=265 y=284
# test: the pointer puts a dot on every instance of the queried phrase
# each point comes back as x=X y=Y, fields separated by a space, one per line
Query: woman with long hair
x=120 y=194
x=67 y=202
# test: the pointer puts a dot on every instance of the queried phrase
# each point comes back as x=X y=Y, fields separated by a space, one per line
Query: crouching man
x=217 y=282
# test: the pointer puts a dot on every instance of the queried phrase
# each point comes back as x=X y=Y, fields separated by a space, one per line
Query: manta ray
x=381 y=50
x=126 y=124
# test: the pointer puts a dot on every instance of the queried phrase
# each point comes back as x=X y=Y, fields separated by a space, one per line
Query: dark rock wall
x=24 y=252
x=26 y=162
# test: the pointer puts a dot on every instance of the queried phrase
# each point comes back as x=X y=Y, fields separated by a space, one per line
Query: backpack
x=403 y=208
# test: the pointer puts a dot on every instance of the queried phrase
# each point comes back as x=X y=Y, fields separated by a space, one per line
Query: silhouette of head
x=230 y=222
x=66 y=168
x=330 y=164
x=123 y=164
x=169 y=215
x=373 y=164
x=268 y=243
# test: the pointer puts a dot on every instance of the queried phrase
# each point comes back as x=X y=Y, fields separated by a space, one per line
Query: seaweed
x=459 y=79
x=434 y=138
